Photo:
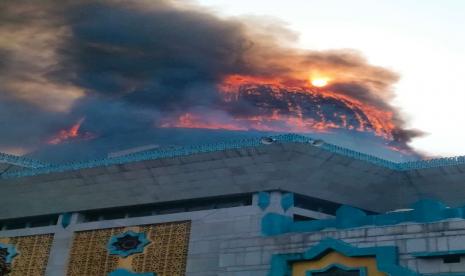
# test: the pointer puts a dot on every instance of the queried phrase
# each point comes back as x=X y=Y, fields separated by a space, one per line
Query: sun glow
x=319 y=82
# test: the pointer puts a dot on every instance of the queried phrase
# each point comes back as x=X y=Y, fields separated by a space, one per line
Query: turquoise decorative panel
x=287 y=201
x=428 y=254
x=386 y=257
x=65 y=219
x=263 y=200
x=349 y=217
x=125 y=272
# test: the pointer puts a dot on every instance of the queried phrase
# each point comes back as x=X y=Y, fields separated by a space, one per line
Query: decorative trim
x=21 y=161
x=422 y=211
x=386 y=257
x=452 y=274
x=66 y=219
x=117 y=246
x=125 y=272
x=11 y=252
x=287 y=201
x=263 y=200
x=438 y=254
x=40 y=168
x=362 y=270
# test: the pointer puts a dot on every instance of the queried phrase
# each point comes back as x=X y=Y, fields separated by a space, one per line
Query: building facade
x=286 y=205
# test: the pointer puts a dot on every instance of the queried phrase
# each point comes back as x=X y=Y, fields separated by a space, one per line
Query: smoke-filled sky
x=420 y=40
x=80 y=70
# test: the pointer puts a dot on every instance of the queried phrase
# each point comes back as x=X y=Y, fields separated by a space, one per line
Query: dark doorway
x=336 y=271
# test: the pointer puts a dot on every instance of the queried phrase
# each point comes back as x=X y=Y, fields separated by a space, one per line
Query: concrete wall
x=251 y=255
x=442 y=183
x=228 y=242
x=208 y=229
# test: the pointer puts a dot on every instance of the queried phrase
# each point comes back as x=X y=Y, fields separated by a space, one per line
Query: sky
x=423 y=41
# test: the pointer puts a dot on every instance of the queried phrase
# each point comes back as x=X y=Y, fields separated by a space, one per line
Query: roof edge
x=37 y=168
x=21 y=161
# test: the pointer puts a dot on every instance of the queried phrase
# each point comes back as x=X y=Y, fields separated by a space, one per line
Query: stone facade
x=230 y=241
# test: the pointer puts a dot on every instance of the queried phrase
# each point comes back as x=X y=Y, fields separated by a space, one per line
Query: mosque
x=285 y=205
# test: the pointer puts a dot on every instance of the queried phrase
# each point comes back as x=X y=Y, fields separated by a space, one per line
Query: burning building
x=162 y=132
x=279 y=205
x=77 y=82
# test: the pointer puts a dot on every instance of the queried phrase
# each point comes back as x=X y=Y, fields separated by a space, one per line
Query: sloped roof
x=37 y=168
x=289 y=162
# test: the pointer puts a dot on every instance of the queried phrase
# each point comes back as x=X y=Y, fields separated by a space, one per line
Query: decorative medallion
x=127 y=243
x=9 y=252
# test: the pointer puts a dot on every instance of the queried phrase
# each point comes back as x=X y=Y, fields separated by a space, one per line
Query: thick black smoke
x=125 y=65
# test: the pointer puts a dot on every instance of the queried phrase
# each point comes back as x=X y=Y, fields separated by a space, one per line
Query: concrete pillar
x=61 y=247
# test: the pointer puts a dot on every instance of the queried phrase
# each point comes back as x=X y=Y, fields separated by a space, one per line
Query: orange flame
x=189 y=120
x=367 y=118
x=274 y=122
x=401 y=150
x=71 y=133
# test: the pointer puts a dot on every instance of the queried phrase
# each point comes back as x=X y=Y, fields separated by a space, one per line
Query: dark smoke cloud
x=124 y=65
x=3 y=60
x=113 y=115
x=155 y=56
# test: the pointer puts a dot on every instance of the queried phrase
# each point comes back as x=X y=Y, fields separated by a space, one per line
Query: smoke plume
x=125 y=65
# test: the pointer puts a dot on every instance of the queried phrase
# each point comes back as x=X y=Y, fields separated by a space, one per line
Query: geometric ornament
x=9 y=251
x=386 y=259
x=127 y=243
x=263 y=200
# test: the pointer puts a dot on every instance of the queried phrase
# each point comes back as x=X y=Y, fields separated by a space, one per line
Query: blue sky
x=421 y=40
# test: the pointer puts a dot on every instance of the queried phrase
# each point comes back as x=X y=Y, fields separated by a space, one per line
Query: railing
x=21 y=161
x=149 y=155
x=40 y=168
x=432 y=163
x=361 y=156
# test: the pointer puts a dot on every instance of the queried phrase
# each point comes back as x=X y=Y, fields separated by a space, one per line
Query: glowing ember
x=71 y=133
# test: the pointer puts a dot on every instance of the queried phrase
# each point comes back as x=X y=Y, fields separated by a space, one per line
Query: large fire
x=288 y=105
x=70 y=134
